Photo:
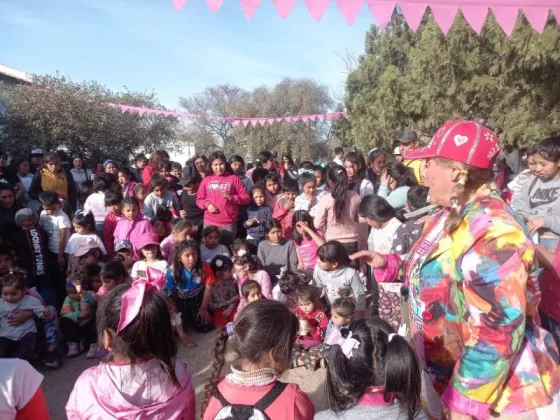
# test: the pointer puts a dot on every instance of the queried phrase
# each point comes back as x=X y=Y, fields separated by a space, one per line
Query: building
x=9 y=77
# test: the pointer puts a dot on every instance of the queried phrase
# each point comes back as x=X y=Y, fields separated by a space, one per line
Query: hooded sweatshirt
x=133 y=230
x=111 y=390
x=541 y=198
x=211 y=191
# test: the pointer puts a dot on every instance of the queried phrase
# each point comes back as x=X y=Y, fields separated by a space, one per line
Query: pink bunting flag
x=413 y=13
x=250 y=7
x=289 y=119
x=476 y=16
x=245 y=122
x=506 y=17
x=284 y=7
x=305 y=118
x=382 y=11
x=317 y=8
x=537 y=17
x=214 y=5
x=444 y=16
x=261 y=121
x=270 y=120
x=349 y=9
x=179 y=4
x=279 y=119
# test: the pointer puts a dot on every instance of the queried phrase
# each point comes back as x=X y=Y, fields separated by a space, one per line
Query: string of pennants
x=474 y=11
x=235 y=121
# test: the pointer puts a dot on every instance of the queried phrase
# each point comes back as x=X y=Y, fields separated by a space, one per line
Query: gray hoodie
x=541 y=198
x=332 y=281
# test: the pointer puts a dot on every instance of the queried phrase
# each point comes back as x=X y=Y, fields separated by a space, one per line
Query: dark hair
x=248 y=286
x=84 y=218
x=208 y=230
x=4 y=154
x=403 y=176
x=264 y=327
x=338 y=150
x=48 y=198
x=531 y=151
x=176 y=165
x=259 y=175
x=158 y=181
x=159 y=255
x=290 y=186
x=272 y=176
x=10 y=187
x=157 y=156
x=193 y=178
x=306 y=177
x=308 y=165
x=140 y=156
x=100 y=183
x=127 y=173
x=195 y=158
x=198 y=270
x=306 y=292
x=238 y=243
x=258 y=187
x=323 y=171
x=345 y=306
x=77 y=156
x=272 y=224
x=87 y=184
x=137 y=188
x=339 y=187
x=51 y=157
x=16 y=278
x=164 y=164
x=417 y=197
x=114 y=270
x=376 y=208
x=181 y=224
x=549 y=149
x=146 y=336
x=17 y=162
x=131 y=201
x=289 y=282
x=289 y=157
x=113 y=198
x=93 y=270
x=236 y=158
x=217 y=155
x=333 y=252
x=301 y=216
x=374 y=154
x=377 y=361
x=265 y=156
x=356 y=158
x=224 y=265
x=251 y=262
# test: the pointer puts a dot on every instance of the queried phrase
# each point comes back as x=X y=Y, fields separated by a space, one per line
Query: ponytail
x=339 y=186
x=402 y=374
x=220 y=344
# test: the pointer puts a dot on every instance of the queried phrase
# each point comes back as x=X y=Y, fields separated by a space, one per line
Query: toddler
x=181 y=231
x=148 y=245
x=284 y=210
x=256 y=216
x=225 y=296
x=212 y=246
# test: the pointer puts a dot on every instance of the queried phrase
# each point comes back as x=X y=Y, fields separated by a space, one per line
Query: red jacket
x=109 y=227
x=147 y=174
x=284 y=216
x=318 y=320
x=211 y=191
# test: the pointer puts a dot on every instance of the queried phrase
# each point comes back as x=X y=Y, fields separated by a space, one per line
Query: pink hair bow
x=131 y=301
x=346 y=344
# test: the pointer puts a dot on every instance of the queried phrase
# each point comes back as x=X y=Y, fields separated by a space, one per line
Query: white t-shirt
x=381 y=240
x=76 y=240
x=18 y=383
x=96 y=204
x=52 y=223
x=140 y=268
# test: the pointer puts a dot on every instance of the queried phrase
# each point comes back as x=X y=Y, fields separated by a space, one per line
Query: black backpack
x=249 y=412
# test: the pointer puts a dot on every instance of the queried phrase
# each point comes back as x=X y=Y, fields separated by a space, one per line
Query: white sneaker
x=92 y=352
x=73 y=349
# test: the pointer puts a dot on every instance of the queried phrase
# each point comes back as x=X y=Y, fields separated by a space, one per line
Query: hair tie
x=346 y=344
x=463 y=180
x=391 y=336
x=241 y=252
x=454 y=203
x=219 y=263
x=230 y=328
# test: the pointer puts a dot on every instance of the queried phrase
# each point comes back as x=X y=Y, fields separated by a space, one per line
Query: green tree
x=55 y=112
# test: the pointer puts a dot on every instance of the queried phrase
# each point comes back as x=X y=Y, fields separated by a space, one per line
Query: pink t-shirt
x=168 y=246
x=550 y=289
x=307 y=252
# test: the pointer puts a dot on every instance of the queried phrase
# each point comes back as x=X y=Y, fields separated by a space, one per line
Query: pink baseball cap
x=147 y=239
x=462 y=141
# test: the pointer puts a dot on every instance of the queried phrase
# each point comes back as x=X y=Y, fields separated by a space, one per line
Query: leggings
x=21 y=349
x=189 y=308
x=308 y=357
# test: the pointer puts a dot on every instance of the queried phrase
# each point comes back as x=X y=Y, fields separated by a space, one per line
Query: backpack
x=249 y=412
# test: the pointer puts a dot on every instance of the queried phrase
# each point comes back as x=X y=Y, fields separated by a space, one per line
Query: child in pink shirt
x=307 y=240
x=143 y=379
x=262 y=336
x=284 y=210
x=180 y=231
x=246 y=268
x=132 y=226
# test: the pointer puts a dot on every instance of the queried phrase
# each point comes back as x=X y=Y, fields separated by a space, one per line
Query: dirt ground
x=58 y=384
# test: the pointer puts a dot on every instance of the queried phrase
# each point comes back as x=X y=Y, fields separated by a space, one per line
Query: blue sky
x=146 y=44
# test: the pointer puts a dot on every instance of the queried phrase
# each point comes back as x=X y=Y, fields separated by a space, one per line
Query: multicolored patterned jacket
x=473 y=300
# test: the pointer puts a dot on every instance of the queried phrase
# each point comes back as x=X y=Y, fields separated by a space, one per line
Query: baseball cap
x=462 y=141
x=26 y=214
x=36 y=152
x=147 y=239
x=85 y=246
x=408 y=137
x=122 y=245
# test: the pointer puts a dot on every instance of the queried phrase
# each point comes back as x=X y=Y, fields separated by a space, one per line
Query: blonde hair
x=470 y=180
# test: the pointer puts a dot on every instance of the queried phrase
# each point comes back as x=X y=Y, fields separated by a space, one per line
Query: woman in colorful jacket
x=473 y=290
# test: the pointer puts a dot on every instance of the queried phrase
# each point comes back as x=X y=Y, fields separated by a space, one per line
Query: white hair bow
x=346 y=344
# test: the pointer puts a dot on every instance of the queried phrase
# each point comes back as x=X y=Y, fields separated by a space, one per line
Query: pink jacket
x=211 y=191
x=108 y=391
x=132 y=230
x=292 y=404
x=284 y=216
x=346 y=230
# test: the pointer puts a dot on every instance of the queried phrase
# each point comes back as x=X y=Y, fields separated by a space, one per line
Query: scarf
x=57 y=183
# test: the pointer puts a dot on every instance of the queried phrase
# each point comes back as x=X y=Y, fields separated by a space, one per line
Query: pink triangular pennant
x=179 y=4
x=506 y=17
x=124 y=108
x=279 y=119
x=289 y=119
x=349 y=9
x=235 y=123
x=344 y=114
x=141 y=111
x=476 y=16
x=537 y=17
x=413 y=13
x=250 y=7
x=444 y=16
x=261 y=121
x=284 y=7
x=381 y=11
x=317 y=8
x=270 y=120
x=214 y=5
x=304 y=118
x=320 y=117
x=245 y=122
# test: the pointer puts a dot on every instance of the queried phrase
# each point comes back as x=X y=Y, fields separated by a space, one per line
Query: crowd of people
x=424 y=281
